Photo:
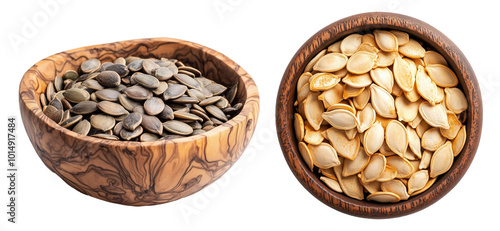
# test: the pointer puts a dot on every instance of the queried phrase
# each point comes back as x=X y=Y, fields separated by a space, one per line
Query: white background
x=259 y=192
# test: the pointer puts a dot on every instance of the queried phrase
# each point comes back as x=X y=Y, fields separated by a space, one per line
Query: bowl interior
x=211 y=63
x=364 y=23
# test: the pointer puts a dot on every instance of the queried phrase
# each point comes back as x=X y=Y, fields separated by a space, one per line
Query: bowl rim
x=336 y=31
x=250 y=105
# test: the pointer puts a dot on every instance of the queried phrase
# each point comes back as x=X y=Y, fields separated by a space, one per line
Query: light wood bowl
x=139 y=173
x=359 y=24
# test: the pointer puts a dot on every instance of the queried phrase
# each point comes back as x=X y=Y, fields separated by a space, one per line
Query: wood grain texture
x=139 y=173
x=363 y=23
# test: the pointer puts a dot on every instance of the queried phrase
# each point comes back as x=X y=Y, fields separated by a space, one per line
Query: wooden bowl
x=139 y=173
x=359 y=24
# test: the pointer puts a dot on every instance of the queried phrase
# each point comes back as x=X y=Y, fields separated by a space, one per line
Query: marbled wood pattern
x=139 y=173
x=359 y=24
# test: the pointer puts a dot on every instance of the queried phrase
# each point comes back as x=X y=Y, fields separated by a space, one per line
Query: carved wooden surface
x=359 y=24
x=139 y=173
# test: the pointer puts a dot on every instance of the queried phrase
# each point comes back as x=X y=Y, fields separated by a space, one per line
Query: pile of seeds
x=137 y=99
x=379 y=116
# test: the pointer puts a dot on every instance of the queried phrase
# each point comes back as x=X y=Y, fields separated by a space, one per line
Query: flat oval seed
x=92 y=84
x=344 y=147
x=323 y=155
x=109 y=79
x=152 y=124
x=382 y=102
x=388 y=174
x=355 y=166
x=383 y=77
x=215 y=111
x=138 y=93
x=417 y=181
x=174 y=91
x=350 y=185
x=120 y=69
x=128 y=135
x=167 y=113
x=432 y=57
x=145 y=80
x=312 y=136
x=442 y=75
x=127 y=102
x=412 y=49
x=432 y=139
x=455 y=100
x=306 y=155
x=402 y=166
x=357 y=81
x=149 y=66
x=323 y=81
x=163 y=73
x=132 y=121
x=402 y=37
x=386 y=40
x=426 y=87
x=82 y=127
x=111 y=108
x=374 y=169
x=407 y=111
x=107 y=94
x=85 y=107
x=148 y=137
x=459 y=141
x=331 y=62
x=329 y=97
x=186 y=115
x=154 y=106
x=383 y=197
x=76 y=95
x=403 y=75
x=341 y=119
x=374 y=138
x=313 y=110
x=187 y=80
x=434 y=115
x=366 y=118
x=413 y=141
x=331 y=183
x=442 y=160
x=53 y=113
x=71 y=121
x=90 y=65
x=350 y=44
x=361 y=62
x=102 y=122
x=178 y=127
x=397 y=187
x=396 y=137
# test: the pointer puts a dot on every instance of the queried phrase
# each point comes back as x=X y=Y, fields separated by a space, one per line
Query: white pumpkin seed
x=355 y=166
x=306 y=155
x=366 y=118
x=331 y=183
x=426 y=87
x=434 y=115
x=386 y=40
x=412 y=49
x=382 y=102
x=344 y=147
x=331 y=62
x=403 y=167
x=313 y=110
x=426 y=160
x=442 y=159
x=323 y=155
x=455 y=100
x=407 y=111
x=361 y=62
x=389 y=174
x=341 y=119
x=432 y=57
x=374 y=169
x=350 y=44
x=383 y=77
x=298 y=124
x=414 y=141
x=442 y=75
x=432 y=139
x=350 y=185
x=374 y=138
x=396 y=137
x=459 y=141
x=397 y=187
x=323 y=81
x=383 y=197
x=403 y=75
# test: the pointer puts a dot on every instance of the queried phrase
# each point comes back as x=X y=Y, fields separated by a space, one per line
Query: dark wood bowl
x=359 y=24
x=131 y=172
